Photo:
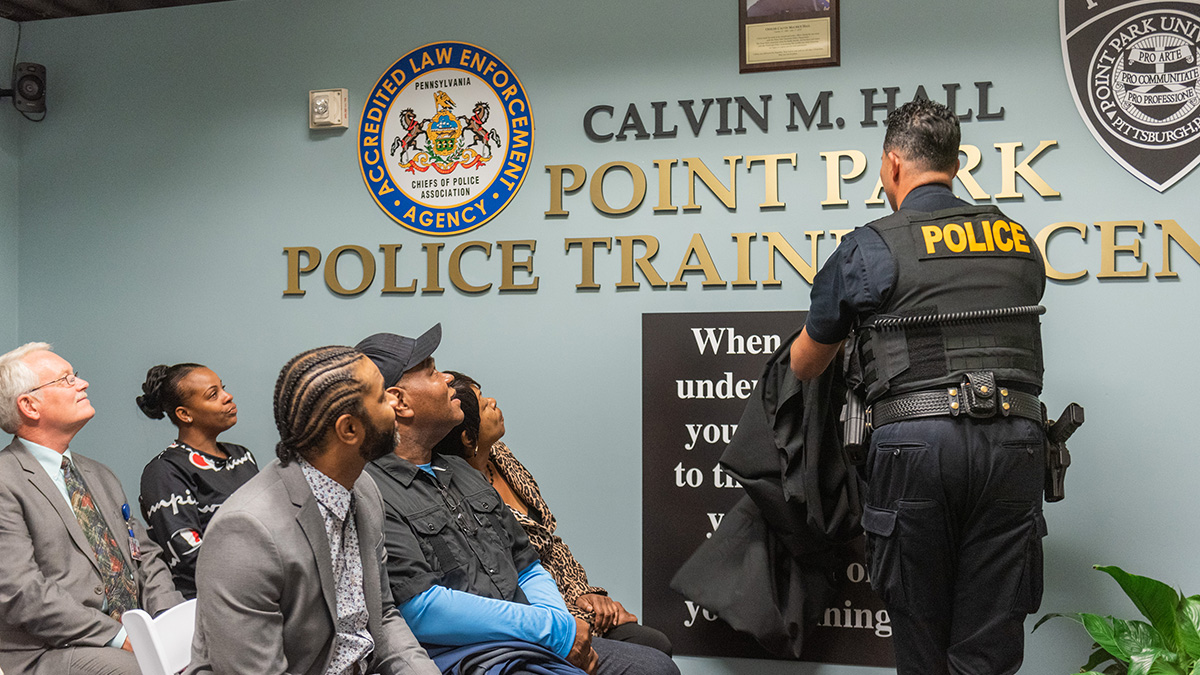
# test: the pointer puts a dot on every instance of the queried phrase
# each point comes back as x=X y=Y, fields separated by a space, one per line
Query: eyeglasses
x=68 y=380
x=456 y=509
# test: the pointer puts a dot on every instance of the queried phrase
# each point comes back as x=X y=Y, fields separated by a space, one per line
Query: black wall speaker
x=29 y=87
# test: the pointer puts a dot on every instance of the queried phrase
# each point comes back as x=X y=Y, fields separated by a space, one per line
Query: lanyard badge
x=135 y=549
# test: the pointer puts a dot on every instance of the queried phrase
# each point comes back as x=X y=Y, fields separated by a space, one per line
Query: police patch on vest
x=972 y=238
x=445 y=138
x=1134 y=70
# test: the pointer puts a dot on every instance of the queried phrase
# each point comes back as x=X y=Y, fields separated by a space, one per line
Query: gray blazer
x=51 y=590
x=265 y=587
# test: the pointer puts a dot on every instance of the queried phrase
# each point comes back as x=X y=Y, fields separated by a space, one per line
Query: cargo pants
x=954 y=527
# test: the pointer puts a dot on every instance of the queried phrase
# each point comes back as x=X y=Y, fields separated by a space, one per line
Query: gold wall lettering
x=637 y=259
x=1010 y=167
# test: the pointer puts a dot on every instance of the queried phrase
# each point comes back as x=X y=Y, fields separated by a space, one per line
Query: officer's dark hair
x=160 y=391
x=314 y=389
x=924 y=132
x=452 y=443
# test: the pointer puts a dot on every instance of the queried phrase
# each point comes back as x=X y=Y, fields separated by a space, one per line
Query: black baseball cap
x=395 y=354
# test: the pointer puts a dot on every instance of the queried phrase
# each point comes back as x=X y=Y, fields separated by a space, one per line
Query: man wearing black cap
x=460 y=566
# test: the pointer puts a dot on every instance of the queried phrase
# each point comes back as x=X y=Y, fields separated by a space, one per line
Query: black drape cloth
x=769 y=568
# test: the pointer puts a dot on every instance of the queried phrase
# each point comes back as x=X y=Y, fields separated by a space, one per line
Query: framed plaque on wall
x=783 y=34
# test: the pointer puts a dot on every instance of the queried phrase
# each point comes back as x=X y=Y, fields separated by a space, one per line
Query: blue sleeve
x=541 y=589
x=855 y=280
x=443 y=616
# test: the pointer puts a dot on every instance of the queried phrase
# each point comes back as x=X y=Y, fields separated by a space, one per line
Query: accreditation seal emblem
x=445 y=138
x=1134 y=69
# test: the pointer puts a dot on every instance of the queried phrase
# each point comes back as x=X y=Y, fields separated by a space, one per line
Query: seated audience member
x=290 y=578
x=185 y=484
x=74 y=558
x=460 y=565
x=477 y=439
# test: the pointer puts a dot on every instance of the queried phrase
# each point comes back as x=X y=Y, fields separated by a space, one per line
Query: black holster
x=1058 y=458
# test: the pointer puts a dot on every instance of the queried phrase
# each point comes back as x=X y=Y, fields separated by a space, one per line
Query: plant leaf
x=1154 y=599
x=1137 y=638
x=1188 y=619
x=1161 y=667
x=1104 y=634
x=1167 y=667
x=1139 y=664
x=1056 y=615
x=1154 y=662
x=1098 y=658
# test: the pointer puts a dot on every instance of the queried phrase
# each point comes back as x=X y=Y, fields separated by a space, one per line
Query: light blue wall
x=176 y=163
x=10 y=211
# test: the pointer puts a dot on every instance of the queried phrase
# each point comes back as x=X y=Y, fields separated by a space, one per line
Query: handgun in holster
x=856 y=433
x=1058 y=458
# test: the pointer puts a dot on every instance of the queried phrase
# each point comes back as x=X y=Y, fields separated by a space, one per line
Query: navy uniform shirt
x=860 y=273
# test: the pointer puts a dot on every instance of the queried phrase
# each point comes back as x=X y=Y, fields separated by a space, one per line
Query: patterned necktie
x=120 y=589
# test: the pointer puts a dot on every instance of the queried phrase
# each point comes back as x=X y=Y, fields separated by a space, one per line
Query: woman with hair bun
x=185 y=484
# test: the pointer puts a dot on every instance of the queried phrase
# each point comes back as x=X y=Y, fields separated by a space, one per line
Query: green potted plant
x=1168 y=645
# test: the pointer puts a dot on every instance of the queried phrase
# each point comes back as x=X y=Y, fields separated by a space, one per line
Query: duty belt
x=977 y=397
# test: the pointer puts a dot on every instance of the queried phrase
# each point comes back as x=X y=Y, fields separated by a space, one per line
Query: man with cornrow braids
x=290 y=578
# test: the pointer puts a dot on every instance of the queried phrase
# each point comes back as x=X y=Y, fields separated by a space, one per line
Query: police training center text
x=634 y=261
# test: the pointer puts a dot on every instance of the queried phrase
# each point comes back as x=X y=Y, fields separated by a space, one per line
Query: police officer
x=939 y=301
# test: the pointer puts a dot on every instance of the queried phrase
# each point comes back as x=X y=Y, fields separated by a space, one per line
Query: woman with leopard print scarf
x=477 y=439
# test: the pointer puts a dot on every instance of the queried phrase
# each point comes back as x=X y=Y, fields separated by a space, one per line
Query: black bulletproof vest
x=956 y=260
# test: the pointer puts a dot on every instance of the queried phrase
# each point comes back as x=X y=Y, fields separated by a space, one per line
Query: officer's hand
x=582 y=655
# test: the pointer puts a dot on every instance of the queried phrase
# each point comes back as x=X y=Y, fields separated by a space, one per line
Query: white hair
x=16 y=378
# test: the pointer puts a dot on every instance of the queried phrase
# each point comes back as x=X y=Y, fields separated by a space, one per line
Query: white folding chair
x=162 y=644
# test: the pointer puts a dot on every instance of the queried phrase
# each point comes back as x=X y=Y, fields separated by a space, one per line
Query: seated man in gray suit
x=460 y=565
x=290 y=578
x=74 y=557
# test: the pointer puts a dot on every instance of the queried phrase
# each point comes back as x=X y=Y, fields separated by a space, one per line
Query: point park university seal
x=1134 y=69
x=445 y=138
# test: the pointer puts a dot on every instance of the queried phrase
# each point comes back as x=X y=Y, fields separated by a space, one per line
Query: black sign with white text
x=698 y=372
